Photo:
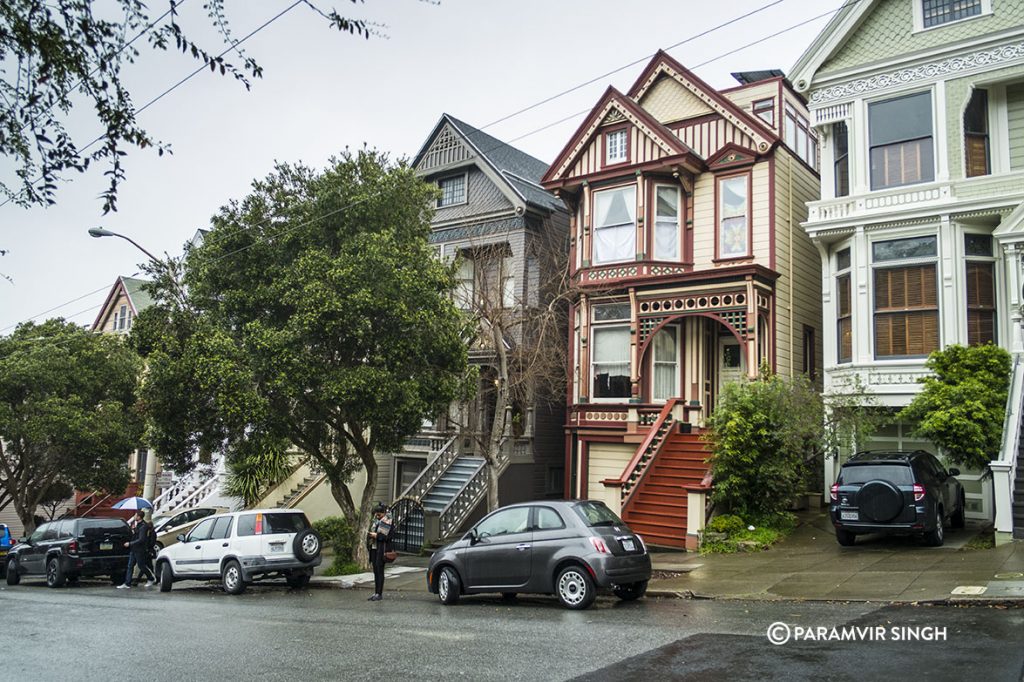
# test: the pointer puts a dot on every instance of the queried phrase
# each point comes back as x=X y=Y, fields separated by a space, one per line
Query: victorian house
x=919 y=105
x=692 y=271
x=507 y=236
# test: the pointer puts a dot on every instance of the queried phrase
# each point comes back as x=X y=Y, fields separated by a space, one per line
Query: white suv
x=240 y=547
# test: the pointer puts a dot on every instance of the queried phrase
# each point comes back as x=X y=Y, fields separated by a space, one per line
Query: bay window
x=906 y=307
x=976 y=135
x=900 y=137
x=615 y=225
x=980 y=289
x=611 y=362
x=665 y=352
x=666 y=223
x=844 y=307
x=841 y=158
x=733 y=217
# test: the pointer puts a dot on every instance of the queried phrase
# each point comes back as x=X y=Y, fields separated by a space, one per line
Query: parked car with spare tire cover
x=239 y=548
x=63 y=551
x=899 y=492
x=567 y=548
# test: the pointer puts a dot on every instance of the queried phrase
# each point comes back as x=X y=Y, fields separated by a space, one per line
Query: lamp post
x=149 y=480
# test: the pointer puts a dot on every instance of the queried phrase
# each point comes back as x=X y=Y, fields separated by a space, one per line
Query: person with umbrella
x=139 y=546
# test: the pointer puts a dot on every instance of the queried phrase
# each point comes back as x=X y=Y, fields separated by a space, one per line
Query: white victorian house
x=919 y=106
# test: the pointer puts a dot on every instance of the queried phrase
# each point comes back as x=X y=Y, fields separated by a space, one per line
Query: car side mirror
x=954 y=472
x=181 y=537
x=472 y=536
x=26 y=541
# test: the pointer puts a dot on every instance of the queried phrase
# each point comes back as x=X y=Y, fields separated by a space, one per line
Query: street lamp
x=149 y=479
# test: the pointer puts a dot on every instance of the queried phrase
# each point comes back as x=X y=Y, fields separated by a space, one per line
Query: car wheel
x=54 y=573
x=845 y=537
x=306 y=545
x=957 y=519
x=13 y=577
x=232 y=578
x=935 y=537
x=297 y=581
x=631 y=591
x=448 y=586
x=165 y=576
x=574 y=587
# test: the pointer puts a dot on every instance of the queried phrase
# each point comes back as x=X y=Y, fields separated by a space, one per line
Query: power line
x=524 y=135
x=204 y=67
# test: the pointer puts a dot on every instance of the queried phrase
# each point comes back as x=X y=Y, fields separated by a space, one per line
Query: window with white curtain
x=665 y=354
x=733 y=234
x=611 y=362
x=615 y=225
x=666 y=223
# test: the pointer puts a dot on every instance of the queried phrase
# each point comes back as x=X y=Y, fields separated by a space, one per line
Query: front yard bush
x=337 y=535
x=729 y=533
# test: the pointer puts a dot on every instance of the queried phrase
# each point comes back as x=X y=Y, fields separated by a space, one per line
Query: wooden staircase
x=656 y=509
x=99 y=503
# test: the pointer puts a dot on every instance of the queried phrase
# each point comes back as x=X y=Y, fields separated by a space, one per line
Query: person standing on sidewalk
x=139 y=548
x=379 y=538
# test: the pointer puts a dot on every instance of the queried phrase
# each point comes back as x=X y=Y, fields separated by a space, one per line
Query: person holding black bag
x=379 y=539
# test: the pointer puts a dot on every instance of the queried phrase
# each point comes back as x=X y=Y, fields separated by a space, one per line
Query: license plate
x=848 y=515
x=106 y=545
x=629 y=545
x=278 y=547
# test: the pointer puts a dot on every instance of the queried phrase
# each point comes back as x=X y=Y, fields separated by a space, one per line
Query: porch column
x=634 y=348
x=584 y=349
x=751 y=332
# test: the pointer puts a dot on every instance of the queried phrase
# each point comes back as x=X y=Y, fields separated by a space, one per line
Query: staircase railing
x=638 y=466
x=201 y=493
x=168 y=499
x=97 y=505
x=433 y=472
x=292 y=500
x=1004 y=470
x=466 y=499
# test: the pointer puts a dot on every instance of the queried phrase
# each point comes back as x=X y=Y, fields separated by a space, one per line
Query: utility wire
x=505 y=118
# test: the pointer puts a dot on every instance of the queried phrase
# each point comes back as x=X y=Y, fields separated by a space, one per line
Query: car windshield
x=597 y=514
x=855 y=474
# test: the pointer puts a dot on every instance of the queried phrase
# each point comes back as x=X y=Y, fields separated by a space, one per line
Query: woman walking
x=379 y=539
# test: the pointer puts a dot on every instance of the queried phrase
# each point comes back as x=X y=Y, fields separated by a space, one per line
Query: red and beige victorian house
x=691 y=270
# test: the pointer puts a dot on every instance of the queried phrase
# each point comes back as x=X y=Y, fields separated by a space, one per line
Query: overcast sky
x=322 y=91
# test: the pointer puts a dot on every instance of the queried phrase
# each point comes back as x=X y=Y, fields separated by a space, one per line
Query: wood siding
x=745 y=97
x=641 y=150
x=705 y=230
x=1015 y=121
x=667 y=100
x=607 y=460
x=707 y=135
x=798 y=290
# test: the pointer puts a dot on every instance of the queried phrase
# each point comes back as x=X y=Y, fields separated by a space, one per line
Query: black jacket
x=140 y=539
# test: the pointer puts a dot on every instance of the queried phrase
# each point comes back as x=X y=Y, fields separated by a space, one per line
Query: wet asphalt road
x=196 y=632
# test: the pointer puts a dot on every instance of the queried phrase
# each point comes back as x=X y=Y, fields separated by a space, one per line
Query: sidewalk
x=808 y=565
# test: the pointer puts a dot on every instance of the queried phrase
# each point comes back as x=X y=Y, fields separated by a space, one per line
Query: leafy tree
x=316 y=313
x=962 y=404
x=60 y=55
x=67 y=413
x=56 y=494
x=762 y=433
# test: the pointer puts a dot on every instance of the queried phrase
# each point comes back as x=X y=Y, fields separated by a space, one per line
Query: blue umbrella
x=133 y=503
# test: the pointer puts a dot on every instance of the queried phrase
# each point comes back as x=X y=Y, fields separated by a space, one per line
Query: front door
x=732 y=363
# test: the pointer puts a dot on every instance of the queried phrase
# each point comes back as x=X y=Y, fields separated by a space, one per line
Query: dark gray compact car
x=566 y=548
x=896 y=492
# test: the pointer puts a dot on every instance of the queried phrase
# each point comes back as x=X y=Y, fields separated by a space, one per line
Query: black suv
x=66 y=549
x=896 y=492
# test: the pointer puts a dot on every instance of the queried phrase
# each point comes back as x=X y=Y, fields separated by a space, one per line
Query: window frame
x=984 y=135
x=594 y=227
x=680 y=197
x=918 y=12
x=844 y=274
x=991 y=261
x=655 y=362
x=465 y=190
x=760 y=106
x=905 y=263
x=931 y=137
x=595 y=332
x=840 y=158
x=719 y=216
x=606 y=162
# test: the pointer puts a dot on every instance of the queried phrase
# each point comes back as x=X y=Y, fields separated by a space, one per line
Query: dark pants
x=140 y=561
x=378 y=568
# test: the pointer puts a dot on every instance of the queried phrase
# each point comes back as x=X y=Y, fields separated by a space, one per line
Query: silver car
x=566 y=548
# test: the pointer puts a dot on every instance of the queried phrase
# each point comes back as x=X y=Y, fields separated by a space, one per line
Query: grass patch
x=984 y=540
x=728 y=534
x=342 y=567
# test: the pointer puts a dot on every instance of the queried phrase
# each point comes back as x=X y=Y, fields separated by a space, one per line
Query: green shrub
x=342 y=567
x=739 y=538
x=726 y=523
x=337 y=535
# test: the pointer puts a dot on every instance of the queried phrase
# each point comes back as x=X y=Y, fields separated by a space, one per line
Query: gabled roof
x=1011 y=228
x=516 y=172
x=663 y=64
x=832 y=37
x=613 y=100
x=138 y=299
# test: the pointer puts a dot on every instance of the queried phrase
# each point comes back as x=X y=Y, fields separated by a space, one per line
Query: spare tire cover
x=879 y=501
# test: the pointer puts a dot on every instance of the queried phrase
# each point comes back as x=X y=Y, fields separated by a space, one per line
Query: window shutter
x=906 y=311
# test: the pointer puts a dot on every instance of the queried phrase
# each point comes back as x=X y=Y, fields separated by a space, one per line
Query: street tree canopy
x=316 y=314
x=67 y=413
x=60 y=56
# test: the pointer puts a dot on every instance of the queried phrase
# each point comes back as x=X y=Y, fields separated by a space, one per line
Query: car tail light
x=918 y=492
x=834 y=492
x=599 y=545
x=73 y=547
x=259 y=524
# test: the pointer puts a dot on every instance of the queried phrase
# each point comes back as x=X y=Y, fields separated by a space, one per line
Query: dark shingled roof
x=522 y=171
x=748 y=77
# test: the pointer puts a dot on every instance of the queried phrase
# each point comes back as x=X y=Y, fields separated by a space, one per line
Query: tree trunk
x=498 y=435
